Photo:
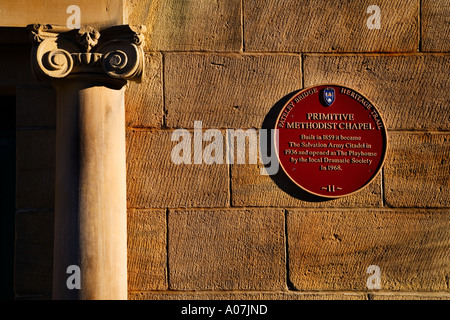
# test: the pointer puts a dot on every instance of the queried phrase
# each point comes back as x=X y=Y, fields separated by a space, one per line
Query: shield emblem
x=328 y=96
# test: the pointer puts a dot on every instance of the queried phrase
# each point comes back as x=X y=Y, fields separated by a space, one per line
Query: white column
x=89 y=70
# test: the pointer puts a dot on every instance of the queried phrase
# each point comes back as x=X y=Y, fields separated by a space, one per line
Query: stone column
x=89 y=71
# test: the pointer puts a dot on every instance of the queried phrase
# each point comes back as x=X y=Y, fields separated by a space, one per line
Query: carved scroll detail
x=115 y=52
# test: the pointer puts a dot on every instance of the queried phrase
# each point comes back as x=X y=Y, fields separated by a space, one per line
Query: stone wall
x=224 y=231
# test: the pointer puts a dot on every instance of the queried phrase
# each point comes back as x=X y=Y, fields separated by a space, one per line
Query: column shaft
x=90 y=212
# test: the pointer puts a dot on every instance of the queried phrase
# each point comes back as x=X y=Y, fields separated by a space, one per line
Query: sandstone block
x=332 y=250
x=435 y=26
x=231 y=91
x=406 y=89
x=417 y=170
x=330 y=26
x=147 y=250
x=154 y=181
x=226 y=249
x=174 y=25
x=218 y=295
x=144 y=101
x=410 y=296
x=250 y=188
x=100 y=13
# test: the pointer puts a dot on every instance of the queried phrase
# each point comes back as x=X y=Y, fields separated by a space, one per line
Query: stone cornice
x=113 y=53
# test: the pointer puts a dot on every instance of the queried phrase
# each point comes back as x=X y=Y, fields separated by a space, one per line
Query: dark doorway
x=7 y=193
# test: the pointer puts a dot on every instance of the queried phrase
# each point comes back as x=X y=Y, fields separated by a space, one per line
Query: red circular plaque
x=331 y=141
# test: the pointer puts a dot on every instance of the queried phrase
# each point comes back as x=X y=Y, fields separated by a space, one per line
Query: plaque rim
x=384 y=134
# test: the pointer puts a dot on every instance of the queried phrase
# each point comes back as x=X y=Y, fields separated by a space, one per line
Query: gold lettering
x=330 y=116
x=291 y=125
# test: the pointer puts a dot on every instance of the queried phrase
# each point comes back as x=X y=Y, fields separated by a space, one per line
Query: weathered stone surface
x=174 y=25
x=231 y=91
x=435 y=25
x=35 y=171
x=226 y=249
x=250 y=188
x=33 y=254
x=287 y=295
x=147 y=250
x=331 y=250
x=406 y=89
x=417 y=170
x=410 y=296
x=330 y=26
x=35 y=106
x=154 y=181
x=100 y=13
x=144 y=101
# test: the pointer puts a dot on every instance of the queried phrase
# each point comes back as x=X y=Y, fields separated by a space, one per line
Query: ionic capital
x=114 y=53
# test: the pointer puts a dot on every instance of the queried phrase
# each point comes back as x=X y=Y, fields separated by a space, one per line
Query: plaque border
x=384 y=133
